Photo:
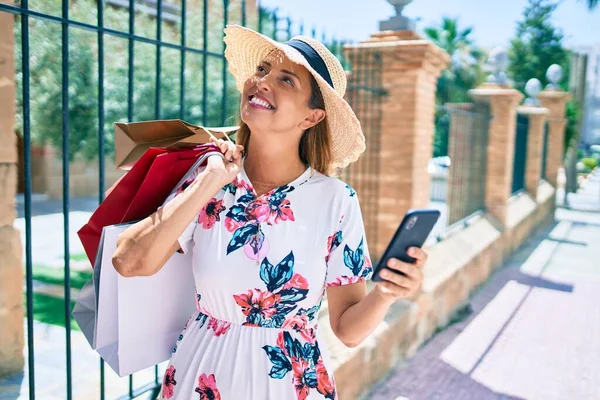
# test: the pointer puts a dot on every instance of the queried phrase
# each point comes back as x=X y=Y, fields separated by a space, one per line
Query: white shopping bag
x=139 y=319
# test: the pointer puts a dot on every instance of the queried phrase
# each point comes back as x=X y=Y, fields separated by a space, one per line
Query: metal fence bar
x=101 y=141
x=27 y=161
x=244 y=22
x=158 y=58
x=520 y=156
x=204 y=62
x=106 y=31
x=182 y=62
x=224 y=70
x=65 y=170
x=544 y=151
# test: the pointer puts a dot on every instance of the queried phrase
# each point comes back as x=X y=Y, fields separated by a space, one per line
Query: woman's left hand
x=397 y=286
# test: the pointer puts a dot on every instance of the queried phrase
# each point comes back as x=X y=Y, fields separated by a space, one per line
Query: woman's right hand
x=225 y=169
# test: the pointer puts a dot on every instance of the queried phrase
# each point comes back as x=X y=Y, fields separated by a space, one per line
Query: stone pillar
x=410 y=68
x=503 y=103
x=555 y=101
x=11 y=269
x=535 y=143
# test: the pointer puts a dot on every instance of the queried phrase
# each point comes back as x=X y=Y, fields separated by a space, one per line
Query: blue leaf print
x=283 y=309
x=310 y=378
x=292 y=346
x=292 y=295
x=202 y=318
x=255 y=319
x=277 y=196
x=237 y=213
x=278 y=319
x=281 y=364
x=316 y=353
x=366 y=272
x=354 y=259
x=352 y=192
x=241 y=237
x=247 y=198
x=230 y=187
x=311 y=312
x=277 y=276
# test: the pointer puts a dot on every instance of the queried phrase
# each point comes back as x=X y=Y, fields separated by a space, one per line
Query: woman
x=270 y=234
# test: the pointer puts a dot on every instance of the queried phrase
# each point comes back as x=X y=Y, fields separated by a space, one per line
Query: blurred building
x=590 y=122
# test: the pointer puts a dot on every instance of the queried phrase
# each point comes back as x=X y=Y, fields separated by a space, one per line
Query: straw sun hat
x=247 y=48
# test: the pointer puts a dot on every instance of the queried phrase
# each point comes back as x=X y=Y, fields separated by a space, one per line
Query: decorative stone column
x=410 y=68
x=503 y=102
x=11 y=268
x=555 y=101
x=535 y=143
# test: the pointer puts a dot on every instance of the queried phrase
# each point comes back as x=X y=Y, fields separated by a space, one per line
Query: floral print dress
x=261 y=266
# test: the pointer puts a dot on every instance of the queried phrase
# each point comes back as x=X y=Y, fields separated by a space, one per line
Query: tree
x=536 y=46
x=46 y=75
x=591 y=4
x=465 y=72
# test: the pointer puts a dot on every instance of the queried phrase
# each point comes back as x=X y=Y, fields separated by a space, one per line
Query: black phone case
x=408 y=236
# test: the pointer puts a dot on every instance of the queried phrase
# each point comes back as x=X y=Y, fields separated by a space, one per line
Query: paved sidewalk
x=534 y=330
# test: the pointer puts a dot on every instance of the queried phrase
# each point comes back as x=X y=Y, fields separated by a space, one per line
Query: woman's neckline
x=304 y=176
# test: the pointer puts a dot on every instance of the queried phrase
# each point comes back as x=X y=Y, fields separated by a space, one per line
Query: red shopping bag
x=141 y=191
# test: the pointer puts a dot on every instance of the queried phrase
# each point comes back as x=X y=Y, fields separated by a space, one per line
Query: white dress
x=261 y=265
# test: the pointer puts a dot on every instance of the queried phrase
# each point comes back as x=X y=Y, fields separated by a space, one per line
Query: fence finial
x=399 y=22
x=554 y=74
x=533 y=87
x=497 y=64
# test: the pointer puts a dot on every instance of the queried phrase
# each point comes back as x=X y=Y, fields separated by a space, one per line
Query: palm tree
x=465 y=71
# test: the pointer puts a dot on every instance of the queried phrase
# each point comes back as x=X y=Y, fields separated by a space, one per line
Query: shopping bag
x=142 y=190
x=133 y=139
x=139 y=319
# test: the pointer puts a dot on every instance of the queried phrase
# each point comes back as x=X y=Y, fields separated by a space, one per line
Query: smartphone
x=412 y=232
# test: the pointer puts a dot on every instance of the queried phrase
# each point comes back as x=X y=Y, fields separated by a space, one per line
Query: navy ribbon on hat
x=313 y=58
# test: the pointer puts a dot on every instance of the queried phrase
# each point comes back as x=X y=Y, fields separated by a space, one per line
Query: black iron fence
x=544 y=150
x=520 y=158
x=81 y=67
x=458 y=179
x=365 y=94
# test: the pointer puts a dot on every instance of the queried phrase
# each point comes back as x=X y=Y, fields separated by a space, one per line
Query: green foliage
x=590 y=163
x=537 y=45
x=46 y=75
x=464 y=73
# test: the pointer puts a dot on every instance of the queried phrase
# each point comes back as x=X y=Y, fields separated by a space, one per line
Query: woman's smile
x=259 y=102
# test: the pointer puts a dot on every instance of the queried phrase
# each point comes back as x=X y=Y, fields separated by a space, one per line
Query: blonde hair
x=315 y=143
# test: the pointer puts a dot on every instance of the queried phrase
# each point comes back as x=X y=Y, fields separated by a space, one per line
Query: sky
x=494 y=22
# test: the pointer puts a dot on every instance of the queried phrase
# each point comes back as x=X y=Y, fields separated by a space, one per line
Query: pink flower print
x=169 y=383
x=333 y=242
x=271 y=210
x=309 y=335
x=232 y=225
x=300 y=367
x=220 y=327
x=297 y=281
x=296 y=322
x=346 y=280
x=325 y=384
x=210 y=213
x=184 y=186
x=207 y=387
x=257 y=247
x=257 y=303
